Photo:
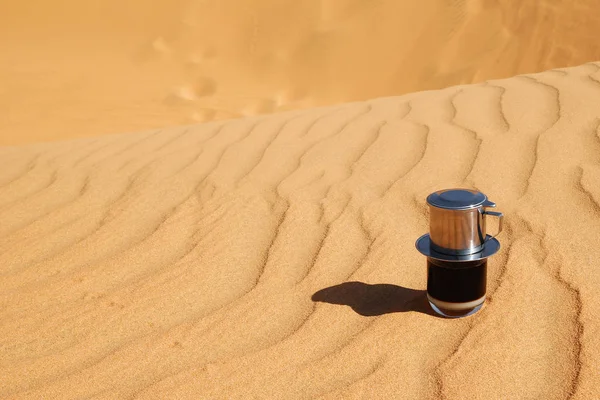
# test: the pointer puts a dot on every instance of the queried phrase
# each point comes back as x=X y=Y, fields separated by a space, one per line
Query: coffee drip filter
x=458 y=226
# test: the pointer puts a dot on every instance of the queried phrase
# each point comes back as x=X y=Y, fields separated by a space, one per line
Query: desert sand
x=273 y=256
x=72 y=68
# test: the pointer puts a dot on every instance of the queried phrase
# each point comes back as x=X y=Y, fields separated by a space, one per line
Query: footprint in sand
x=203 y=115
x=259 y=106
x=289 y=96
x=205 y=86
x=181 y=94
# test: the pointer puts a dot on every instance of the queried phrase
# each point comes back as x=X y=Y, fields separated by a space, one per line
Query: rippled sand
x=273 y=257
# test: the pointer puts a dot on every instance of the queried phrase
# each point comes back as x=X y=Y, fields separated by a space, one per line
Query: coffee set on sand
x=457 y=248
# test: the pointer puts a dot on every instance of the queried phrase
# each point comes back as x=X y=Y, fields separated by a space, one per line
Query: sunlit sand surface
x=273 y=256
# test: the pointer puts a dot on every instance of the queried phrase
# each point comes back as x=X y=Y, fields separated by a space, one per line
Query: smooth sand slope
x=72 y=68
x=273 y=257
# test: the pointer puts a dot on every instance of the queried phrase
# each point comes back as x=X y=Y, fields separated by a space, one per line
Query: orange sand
x=273 y=257
x=77 y=68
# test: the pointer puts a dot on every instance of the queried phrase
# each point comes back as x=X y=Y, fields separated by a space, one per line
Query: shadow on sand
x=378 y=299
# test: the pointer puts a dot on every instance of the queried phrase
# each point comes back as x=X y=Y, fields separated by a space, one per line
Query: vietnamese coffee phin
x=457 y=248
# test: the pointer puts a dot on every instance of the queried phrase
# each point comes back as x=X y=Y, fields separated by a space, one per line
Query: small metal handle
x=500 y=218
x=489 y=203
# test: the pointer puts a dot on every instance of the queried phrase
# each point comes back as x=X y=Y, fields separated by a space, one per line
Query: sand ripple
x=273 y=257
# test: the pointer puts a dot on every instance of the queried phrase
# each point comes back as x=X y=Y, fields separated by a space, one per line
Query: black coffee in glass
x=456 y=289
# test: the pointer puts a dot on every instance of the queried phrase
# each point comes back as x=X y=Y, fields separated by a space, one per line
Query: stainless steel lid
x=423 y=244
x=458 y=199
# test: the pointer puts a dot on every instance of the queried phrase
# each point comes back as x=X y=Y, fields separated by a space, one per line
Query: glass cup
x=456 y=289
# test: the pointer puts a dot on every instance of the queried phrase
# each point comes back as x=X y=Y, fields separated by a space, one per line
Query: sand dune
x=273 y=257
x=72 y=69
